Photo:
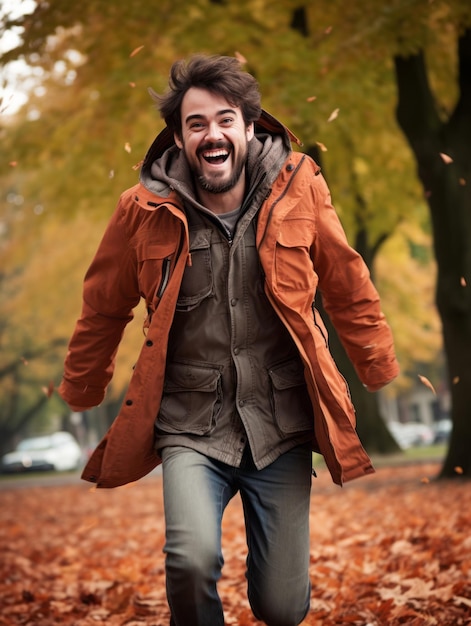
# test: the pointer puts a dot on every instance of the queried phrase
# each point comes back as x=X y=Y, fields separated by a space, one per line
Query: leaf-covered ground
x=393 y=548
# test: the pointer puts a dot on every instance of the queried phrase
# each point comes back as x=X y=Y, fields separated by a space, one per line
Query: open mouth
x=215 y=157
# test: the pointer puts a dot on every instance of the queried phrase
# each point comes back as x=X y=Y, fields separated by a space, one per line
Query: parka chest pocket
x=191 y=400
x=197 y=283
x=154 y=263
x=291 y=403
x=294 y=270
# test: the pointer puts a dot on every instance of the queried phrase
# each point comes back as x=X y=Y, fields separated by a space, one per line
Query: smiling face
x=214 y=138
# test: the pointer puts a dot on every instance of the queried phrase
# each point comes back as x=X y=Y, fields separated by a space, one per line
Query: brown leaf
x=131 y=84
x=13 y=163
x=463 y=281
x=311 y=98
x=458 y=469
x=136 y=51
x=137 y=166
x=425 y=381
x=321 y=146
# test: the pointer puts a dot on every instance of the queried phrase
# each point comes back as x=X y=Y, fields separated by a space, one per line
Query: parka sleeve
x=110 y=292
x=350 y=298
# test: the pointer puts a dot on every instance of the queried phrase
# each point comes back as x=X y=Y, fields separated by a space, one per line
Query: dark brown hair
x=219 y=74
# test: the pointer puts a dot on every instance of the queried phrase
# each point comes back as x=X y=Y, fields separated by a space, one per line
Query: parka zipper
x=165 y=277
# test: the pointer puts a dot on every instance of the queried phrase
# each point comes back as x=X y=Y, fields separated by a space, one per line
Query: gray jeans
x=276 y=502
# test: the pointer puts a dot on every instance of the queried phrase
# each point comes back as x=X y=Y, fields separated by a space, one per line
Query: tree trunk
x=443 y=154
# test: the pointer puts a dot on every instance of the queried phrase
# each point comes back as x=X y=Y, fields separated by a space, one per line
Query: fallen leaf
x=333 y=115
x=425 y=381
x=136 y=51
x=446 y=158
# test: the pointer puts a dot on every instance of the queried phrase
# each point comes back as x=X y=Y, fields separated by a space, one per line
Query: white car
x=59 y=451
x=411 y=434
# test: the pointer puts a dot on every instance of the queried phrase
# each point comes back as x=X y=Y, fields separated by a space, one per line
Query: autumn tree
x=90 y=119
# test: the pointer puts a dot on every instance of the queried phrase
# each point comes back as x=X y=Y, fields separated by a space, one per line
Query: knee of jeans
x=278 y=611
x=197 y=562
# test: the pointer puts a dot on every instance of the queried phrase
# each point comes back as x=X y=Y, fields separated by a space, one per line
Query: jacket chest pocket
x=293 y=264
x=154 y=264
x=197 y=283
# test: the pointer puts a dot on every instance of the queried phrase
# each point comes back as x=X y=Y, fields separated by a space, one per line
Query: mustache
x=215 y=145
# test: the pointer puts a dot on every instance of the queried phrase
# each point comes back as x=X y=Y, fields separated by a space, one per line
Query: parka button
x=128 y=402
x=149 y=342
x=290 y=167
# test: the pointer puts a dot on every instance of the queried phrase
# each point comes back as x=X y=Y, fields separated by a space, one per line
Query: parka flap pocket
x=155 y=251
x=296 y=233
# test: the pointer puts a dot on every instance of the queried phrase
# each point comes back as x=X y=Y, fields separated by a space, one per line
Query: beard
x=214 y=183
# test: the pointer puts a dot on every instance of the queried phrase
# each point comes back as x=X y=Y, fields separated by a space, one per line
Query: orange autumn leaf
x=240 y=57
x=321 y=146
x=458 y=469
x=311 y=98
x=138 y=165
x=446 y=158
x=49 y=390
x=132 y=84
x=456 y=380
x=136 y=51
x=13 y=163
x=462 y=181
x=425 y=381
x=463 y=281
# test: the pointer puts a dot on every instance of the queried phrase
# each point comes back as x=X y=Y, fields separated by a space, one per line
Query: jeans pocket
x=191 y=401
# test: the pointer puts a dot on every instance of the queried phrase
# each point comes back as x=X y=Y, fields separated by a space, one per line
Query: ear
x=250 y=131
x=178 y=140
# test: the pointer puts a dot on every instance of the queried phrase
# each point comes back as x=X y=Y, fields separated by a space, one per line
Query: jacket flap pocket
x=155 y=251
x=182 y=376
x=296 y=233
x=200 y=239
x=287 y=375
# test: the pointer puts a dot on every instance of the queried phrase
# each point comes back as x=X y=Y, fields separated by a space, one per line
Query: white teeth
x=215 y=154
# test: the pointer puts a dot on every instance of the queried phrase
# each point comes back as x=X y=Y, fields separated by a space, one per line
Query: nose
x=213 y=132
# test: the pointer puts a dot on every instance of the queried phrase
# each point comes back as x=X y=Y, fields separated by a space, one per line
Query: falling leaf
x=456 y=380
x=13 y=163
x=127 y=146
x=49 y=390
x=311 y=98
x=462 y=182
x=24 y=361
x=138 y=165
x=463 y=281
x=328 y=30
x=131 y=84
x=321 y=146
x=240 y=57
x=136 y=51
x=425 y=480
x=445 y=158
x=333 y=115
x=458 y=469
x=425 y=381
x=111 y=174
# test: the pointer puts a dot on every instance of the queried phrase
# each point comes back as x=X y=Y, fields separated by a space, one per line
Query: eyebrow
x=198 y=116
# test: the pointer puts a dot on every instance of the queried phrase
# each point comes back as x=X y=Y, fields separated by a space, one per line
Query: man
x=226 y=237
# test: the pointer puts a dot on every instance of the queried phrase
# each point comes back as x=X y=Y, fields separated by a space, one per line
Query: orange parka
x=301 y=245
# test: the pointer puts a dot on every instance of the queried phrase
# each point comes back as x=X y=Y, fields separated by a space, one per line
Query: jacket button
x=149 y=342
x=128 y=402
x=290 y=167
